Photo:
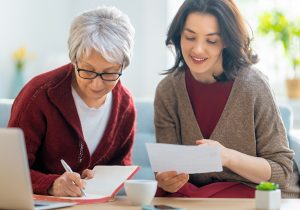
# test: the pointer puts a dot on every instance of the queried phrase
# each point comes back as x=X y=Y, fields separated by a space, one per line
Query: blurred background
x=34 y=37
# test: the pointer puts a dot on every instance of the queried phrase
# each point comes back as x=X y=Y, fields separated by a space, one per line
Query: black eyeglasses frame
x=98 y=74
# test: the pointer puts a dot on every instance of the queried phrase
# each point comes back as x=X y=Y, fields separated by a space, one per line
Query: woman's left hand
x=87 y=174
x=224 y=150
x=255 y=169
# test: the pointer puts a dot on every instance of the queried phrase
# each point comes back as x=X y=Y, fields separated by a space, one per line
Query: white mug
x=140 y=192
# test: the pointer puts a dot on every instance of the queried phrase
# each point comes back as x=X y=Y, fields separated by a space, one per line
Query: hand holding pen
x=70 y=184
x=68 y=169
x=67 y=185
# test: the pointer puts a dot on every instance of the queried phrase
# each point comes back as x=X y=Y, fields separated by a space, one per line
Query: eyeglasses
x=106 y=76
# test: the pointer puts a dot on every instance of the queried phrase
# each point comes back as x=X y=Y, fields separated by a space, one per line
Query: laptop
x=15 y=183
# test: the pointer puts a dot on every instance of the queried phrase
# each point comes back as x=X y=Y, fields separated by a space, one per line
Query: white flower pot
x=268 y=199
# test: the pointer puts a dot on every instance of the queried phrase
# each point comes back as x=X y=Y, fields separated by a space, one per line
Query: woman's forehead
x=202 y=23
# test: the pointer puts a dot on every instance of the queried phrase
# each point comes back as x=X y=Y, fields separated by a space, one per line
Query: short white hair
x=106 y=30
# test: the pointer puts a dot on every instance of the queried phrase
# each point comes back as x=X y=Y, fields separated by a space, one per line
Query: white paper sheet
x=189 y=159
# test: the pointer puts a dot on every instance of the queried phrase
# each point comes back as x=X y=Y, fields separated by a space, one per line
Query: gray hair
x=106 y=30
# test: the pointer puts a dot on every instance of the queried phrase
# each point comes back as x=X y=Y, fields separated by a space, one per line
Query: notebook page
x=108 y=178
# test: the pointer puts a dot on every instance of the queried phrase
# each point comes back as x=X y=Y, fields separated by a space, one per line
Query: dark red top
x=208 y=101
x=46 y=112
x=213 y=190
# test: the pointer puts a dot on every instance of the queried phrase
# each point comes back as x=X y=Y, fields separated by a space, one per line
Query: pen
x=68 y=169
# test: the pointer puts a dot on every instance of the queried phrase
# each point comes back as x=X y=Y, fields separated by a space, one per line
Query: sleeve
x=166 y=130
x=29 y=117
x=272 y=143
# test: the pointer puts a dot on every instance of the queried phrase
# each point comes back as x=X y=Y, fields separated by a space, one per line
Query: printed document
x=189 y=159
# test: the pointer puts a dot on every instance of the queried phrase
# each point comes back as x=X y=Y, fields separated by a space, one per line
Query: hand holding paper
x=184 y=158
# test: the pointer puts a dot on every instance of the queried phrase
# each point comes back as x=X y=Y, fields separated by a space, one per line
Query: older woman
x=80 y=112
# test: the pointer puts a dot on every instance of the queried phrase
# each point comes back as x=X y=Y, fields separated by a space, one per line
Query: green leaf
x=275 y=24
x=267 y=186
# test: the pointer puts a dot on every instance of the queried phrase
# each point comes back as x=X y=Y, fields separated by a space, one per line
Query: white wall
x=43 y=27
x=39 y=25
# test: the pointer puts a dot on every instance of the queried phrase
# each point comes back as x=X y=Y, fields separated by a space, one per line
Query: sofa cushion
x=5 y=107
x=144 y=134
x=286 y=115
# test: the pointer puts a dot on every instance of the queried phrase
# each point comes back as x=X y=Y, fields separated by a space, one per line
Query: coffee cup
x=140 y=192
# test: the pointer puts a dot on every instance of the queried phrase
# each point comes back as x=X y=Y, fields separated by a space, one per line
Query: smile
x=198 y=60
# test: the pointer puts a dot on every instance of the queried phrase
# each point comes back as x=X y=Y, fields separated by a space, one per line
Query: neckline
x=187 y=103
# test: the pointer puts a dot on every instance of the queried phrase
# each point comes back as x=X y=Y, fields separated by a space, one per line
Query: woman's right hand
x=68 y=184
x=171 y=181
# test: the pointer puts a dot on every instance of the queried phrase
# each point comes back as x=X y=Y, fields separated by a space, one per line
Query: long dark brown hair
x=233 y=31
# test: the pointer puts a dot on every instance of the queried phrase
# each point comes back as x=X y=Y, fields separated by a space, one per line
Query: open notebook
x=107 y=182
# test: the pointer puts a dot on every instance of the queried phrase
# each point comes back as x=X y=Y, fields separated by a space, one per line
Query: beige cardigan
x=250 y=123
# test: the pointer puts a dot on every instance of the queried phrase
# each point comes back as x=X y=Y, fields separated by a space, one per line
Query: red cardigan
x=46 y=112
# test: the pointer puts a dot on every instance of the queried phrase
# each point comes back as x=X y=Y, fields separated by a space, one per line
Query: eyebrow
x=209 y=34
x=108 y=68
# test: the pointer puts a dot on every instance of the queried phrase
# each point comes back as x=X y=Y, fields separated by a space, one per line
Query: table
x=189 y=204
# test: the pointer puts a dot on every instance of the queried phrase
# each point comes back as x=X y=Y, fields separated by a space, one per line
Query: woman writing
x=80 y=112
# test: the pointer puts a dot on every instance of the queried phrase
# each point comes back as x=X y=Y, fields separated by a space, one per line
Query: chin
x=198 y=70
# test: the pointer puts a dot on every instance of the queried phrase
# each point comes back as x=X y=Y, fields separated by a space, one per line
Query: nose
x=97 y=82
x=198 y=48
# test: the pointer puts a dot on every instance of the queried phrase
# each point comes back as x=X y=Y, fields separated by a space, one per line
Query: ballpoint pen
x=68 y=169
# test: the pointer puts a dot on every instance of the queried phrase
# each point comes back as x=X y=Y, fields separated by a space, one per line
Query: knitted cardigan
x=250 y=123
x=46 y=112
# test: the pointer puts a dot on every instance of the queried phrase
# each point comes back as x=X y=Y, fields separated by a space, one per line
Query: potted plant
x=20 y=57
x=267 y=196
x=287 y=33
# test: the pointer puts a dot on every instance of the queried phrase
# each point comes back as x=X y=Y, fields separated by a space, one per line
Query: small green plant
x=284 y=31
x=267 y=186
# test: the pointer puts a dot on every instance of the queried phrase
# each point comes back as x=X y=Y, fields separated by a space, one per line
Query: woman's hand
x=255 y=169
x=68 y=184
x=87 y=174
x=171 y=181
x=224 y=151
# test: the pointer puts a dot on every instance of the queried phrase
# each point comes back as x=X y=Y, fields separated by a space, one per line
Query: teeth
x=199 y=59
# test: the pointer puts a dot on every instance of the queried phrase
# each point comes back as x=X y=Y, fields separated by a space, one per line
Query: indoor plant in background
x=287 y=33
x=20 y=57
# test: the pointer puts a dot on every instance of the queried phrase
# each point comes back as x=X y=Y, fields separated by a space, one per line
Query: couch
x=5 y=107
x=145 y=132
